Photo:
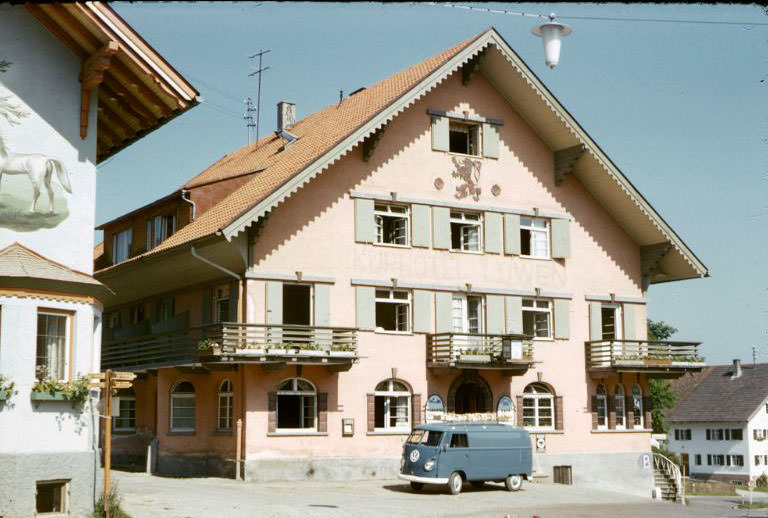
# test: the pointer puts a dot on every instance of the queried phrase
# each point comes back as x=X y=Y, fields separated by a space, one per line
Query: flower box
x=311 y=352
x=276 y=351
x=255 y=351
x=658 y=362
x=475 y=358
x=49 y=396
x=342 y=354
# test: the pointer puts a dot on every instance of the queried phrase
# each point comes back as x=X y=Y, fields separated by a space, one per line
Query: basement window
x=466 y=228
x=393 y=309
x=391 y=224
x=51 y=498
x=464 y=138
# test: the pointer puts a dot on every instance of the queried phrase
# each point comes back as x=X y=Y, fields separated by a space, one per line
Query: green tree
x=662 y=396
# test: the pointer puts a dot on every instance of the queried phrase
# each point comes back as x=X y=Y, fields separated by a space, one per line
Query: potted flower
x=7 y=388
x=47 y=389
x=343 y=351
x=309 y=350
x=276 y=349
x=209 y=347
x=476 y=355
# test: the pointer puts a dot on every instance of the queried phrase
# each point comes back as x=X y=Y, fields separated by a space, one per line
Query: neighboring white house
x=720 y=426
x=77 y=84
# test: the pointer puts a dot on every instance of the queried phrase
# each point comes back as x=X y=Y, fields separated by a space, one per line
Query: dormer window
x=160 y=228
x=464 y=138
x=121 y=246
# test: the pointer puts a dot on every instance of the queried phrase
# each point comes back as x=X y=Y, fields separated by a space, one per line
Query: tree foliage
x=662 y=396
x=660 y=330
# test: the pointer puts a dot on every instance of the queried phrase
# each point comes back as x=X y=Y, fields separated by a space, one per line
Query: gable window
x=619 y=404
x=611 y=321
x=296 y=405
x=221 y=304
x=393 y=310
x=637 y=406
x=601 y=402
x=391 y=224
x=538 y=407
x=537 y=318
x=159 y=229
x=466 y=229
x=224 y=421
x=121 y=246
x=53 y=336
x=467 y=313
x=464 y=138
x=392 y=403
x=534 y=237
x=126 y=418
x=183 y=407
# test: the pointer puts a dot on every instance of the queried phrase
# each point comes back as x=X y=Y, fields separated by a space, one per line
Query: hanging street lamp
x=552 y=34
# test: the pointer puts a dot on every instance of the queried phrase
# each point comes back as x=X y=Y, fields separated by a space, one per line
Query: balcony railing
x=644 y=355
x=479 y=351
x=233 y=342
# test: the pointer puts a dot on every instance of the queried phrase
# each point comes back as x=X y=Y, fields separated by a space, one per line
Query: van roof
x=468 y=427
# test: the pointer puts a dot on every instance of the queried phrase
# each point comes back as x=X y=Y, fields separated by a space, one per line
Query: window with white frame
x=466 y=231
x=392 y=406
x=734 y=460
x=637 y=406
x=601 y=403
x=121 y=246
x=534 y=237
x=620 y=406
x=682 y=434
x=715 y=460
x=296 y=405
x=392 y=223
x=53 y=337
x=724 y=434
x=464 y=138
x=467 y=313
x=761 y=460
x=221 y=304
x=697 y=459
x=537 y=318
x=538 y=407
x=126 y=418
x=611 y=321
x=759 y=434
x=393 y=310
x=160 y=228
x=224 y=421
x=183 y=407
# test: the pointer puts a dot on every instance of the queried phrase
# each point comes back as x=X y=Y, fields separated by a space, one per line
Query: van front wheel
x=514 y=482
x=417 y=486
x=455 y=482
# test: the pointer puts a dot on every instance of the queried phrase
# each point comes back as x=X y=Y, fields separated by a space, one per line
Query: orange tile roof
x=318 y=133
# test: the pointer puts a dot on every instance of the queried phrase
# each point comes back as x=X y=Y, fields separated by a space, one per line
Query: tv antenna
x=259 y=71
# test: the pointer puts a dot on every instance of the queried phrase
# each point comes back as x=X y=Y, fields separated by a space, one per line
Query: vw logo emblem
x=414 y=456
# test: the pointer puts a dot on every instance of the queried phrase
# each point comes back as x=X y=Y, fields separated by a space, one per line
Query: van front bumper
x=423 y=480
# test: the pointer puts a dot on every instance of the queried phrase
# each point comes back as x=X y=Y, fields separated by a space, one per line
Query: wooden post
x=107 y=437
x=238 y=448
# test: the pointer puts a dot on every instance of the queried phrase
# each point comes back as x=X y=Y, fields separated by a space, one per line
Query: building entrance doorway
x=470 y=394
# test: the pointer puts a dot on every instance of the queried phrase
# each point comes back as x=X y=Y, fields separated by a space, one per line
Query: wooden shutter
x=512 y=234
x=365 y=307
x=441 y=228
x=630 y=424
x=561 y=239
x=519 y=410
x=440 y=129
x=594 y=412
x=365 y=227
x=322 y=305
x=562 y=318
x=443 y=308
x=420 y=225
x=492 y=232
x=494 y=314
x=416 y=410
x=371 y=412
x=630 y=321
x=272 y=412
x=611 y=411
x=206 y=315
x=422 y=311
x=595 y=321
x=274 y=302
x=490 y=140
x=234 y=296
x=514 y=311
x=559 y=413
x=322 y=412
x=648 y=418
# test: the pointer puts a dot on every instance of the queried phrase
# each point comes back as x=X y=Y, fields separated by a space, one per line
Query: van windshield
x=425 y=437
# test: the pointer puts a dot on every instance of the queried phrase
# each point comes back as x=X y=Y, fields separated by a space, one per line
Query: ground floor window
x=392 y=402
x=126 y=418
x=52 y=497
x=601 y=407
x=296 y=405
x=619 y=404
x=697 y=459
x=224 y=421
x=637 y=406
x=538 y=406
x=183 y=407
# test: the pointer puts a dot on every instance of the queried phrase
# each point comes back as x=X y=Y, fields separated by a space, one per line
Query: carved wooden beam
x=565 y=159
x=470 y=67
x=370 y=143
x=91 y=76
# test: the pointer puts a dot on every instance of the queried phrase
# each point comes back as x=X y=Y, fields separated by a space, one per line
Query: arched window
x=538 y=407
x=619 y=404
x=296 y=405
x=183 y=407
x=392 y=406
x=601 y=407
x=637 y=406
x=126 y=404
x=224 y=422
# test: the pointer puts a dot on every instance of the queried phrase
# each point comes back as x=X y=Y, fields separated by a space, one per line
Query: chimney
x=286 y=115
x=736 y=369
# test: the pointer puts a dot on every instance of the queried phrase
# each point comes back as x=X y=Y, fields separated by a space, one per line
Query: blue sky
x=681 y=108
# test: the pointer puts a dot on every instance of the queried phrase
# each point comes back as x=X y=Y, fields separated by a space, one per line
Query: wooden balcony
x=662 y=359
x=216 y=345
x=512 y=354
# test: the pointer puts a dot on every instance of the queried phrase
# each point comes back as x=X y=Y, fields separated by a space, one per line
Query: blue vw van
x=455 y=453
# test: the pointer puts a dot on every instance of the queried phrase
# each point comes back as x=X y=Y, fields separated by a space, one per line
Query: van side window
x=459 y=440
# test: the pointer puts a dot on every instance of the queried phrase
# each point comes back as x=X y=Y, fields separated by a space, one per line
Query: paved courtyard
x=147 y=497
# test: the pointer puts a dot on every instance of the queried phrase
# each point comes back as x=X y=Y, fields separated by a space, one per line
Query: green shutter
x=206 y=317
x=422 y=311
x=595 y=321
x=234 y=293
x=561 y=239
x=562 y=318
x=443 y=308
x=420 y=225
x=490 y=140
x=512 y=234
x=514 y=310
x=492 y=232
x=365 y=307
x=630 y=319
x=365 y=228
x=440 y=133
x=441 y=228
x=274 y=302
x=494 y=314
x=322 y=305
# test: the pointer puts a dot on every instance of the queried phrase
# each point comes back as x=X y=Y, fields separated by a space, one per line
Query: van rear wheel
x=455 y=482
x=417 y=486
x=514 y=482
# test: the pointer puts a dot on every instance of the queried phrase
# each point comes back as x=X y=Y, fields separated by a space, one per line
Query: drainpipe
x=185 y=192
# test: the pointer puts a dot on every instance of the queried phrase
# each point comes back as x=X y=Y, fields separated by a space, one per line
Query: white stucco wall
x=759 y=421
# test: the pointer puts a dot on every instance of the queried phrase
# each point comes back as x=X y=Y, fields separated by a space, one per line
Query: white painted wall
x=700 y=445
x=759 y=421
